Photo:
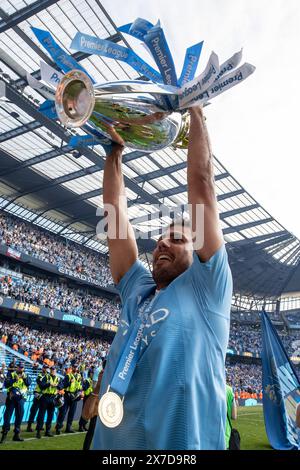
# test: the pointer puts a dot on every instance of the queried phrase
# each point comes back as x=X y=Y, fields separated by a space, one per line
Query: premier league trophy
x=143 y=115
x=126 y=113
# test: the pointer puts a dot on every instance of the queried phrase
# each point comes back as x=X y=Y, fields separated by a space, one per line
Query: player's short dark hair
x=183 y=221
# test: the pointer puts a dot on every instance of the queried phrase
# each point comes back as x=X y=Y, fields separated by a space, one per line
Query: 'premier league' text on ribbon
x=133 y=347
x=227 y=82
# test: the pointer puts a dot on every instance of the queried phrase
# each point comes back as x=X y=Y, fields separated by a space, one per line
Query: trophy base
x=182 y=139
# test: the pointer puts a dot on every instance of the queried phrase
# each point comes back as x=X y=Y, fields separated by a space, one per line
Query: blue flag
x=281 y=390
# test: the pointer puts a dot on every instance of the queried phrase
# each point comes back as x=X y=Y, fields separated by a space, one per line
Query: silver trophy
x=126 y=112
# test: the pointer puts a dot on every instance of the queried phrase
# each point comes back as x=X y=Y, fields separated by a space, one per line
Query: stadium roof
x=43 y=180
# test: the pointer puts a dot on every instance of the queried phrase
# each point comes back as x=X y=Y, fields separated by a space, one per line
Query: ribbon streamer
x=201 y=83
x=48 y=109
x=49 y=74
x=230 y=64
x=157 y=43
x=64 y=61
x=137 y=29
x=225 y=83
x=49 y=93
x=190 y=65
x=87 y=141
x=92 y=45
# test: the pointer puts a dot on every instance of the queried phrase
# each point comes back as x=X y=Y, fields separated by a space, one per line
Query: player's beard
x=163 y=276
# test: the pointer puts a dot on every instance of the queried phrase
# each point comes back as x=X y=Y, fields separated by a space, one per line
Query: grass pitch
x=250 y=424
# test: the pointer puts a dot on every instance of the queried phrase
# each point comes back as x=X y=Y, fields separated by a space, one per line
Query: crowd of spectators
x=247 y=338
x=293 y=318
x=26 y=238
x=65 y=349
x=59 y=349
x=244 y=377
x=54 y=295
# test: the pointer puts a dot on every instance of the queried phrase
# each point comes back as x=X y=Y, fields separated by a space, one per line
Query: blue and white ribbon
x=191 y=90
x=179 y=94
x=137 y=29
x=87 y=141
x=190 y=65
x=48 y=109
x=223 y=84
x=64 y=61
x=157 y=44
x=92 y=45
x=230 y=64
x=49 y=93
x=50 y=75
x=131 y=351
x=97 y=134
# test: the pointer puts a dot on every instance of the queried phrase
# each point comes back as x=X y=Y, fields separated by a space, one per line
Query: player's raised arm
x=201 y=188
x=122 y=245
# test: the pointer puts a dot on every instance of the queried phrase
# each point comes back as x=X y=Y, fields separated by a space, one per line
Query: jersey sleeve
x=211 y=282
x=135 y=279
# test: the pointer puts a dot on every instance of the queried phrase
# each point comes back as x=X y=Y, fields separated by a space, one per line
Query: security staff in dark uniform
x=70 y=386
x=87 y=387
x=17 y=384
x=49 y=387
x=37 y=398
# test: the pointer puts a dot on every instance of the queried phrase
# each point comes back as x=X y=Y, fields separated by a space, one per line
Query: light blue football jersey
x=176 y=398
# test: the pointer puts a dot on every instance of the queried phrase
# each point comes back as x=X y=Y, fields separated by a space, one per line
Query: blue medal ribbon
x=64 y=61
x=131 y=351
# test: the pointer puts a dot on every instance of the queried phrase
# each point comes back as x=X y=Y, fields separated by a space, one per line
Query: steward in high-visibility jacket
x=49 y=386
x=70 y=386
x=37 y=396
x=17 y=384
x=87 y=390
x=78 y=378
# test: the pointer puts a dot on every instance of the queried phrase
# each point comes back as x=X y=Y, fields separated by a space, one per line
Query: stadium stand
x=54 y=295
x=48 y=347
x=53 y=249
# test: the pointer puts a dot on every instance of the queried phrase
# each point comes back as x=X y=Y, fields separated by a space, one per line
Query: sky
x=254 y=126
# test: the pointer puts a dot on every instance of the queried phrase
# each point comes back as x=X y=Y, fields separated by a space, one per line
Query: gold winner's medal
x=110 y=409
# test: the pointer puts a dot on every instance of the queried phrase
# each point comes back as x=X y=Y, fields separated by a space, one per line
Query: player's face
x=172 y=255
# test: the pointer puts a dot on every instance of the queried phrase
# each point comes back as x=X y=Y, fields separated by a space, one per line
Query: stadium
x=59 y=307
